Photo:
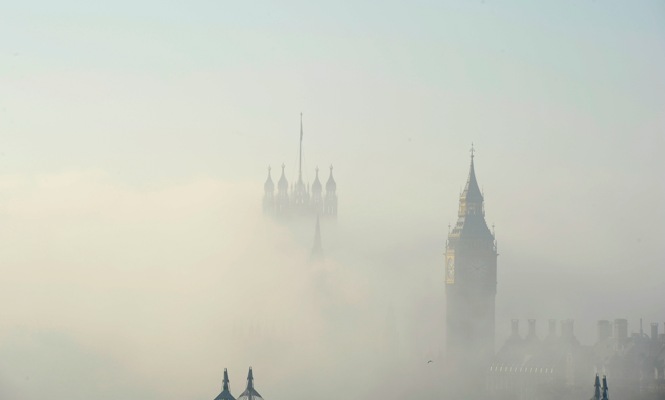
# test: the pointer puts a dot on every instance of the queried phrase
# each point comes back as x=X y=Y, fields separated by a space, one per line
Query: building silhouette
x=226 y=391
x=250 y=392
x=471 y=262
x=559 y=366
x=299 y=199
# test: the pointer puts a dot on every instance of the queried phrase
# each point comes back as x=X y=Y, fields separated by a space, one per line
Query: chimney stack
x=604 y=330
x=654 y=330
x=621 y=330
x=567 y=329
x=514 y=327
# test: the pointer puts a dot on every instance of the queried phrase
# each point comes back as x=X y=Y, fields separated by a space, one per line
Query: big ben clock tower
x=470 y=284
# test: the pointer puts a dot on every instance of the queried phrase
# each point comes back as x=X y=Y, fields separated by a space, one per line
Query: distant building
x=250 y=392
x=299 y=199
x=559 y=366
x=471 y=270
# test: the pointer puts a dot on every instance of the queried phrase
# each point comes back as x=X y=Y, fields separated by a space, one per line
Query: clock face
x=450 y=271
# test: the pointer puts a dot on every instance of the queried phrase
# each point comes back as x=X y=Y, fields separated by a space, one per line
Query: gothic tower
x=269 y=195
x=470 y=283
x=330 y=200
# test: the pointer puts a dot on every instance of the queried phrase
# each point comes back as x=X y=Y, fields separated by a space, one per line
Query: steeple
x=605 y=388
x=316 y=186
x=471 y=200
x=250 y=393
x=226 y=393
x=317 y=249
x=269 y=186
x=596 y=392
x=331 y=185
x=283 y=184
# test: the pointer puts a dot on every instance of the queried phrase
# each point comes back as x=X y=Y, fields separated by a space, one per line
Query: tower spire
x=226 y=393
x=250 y=393
x=605 y=388
x=596 y=392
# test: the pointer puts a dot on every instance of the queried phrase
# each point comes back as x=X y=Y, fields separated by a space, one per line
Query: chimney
x=604 y=330
x=552 y=327
x=532 y=329
x=621 y=330
x=514 y=327
x=654 y=330
x=567 y=329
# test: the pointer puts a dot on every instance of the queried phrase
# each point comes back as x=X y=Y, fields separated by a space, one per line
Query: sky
x=135 y=138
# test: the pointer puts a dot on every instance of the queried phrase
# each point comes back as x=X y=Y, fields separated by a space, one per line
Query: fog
x=135 y=140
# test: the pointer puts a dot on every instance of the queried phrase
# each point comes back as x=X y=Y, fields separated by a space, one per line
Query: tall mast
x=300 y=153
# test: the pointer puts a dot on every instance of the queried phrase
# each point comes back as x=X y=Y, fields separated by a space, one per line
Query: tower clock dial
x=450 y=271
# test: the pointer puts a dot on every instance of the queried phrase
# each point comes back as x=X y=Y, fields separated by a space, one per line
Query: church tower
x=470 y=283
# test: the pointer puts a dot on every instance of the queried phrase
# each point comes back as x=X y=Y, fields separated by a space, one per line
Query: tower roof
x=331 y=186
x=471 y=215
x=283 y=184
x=226 y=393
x=269 y=186
x=250 y=393
x=316 y=186
x=471 y=191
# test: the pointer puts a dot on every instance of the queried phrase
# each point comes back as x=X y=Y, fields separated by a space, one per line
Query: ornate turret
x=282 y=201
x=299 y=199
x=226 y=393
x=331 y=185
x=317 y=194
x=283 y=184
x=268 y=195
x=250 y=393
x=330 y=200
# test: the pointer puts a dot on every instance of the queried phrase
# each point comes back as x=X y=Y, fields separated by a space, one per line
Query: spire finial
x=226 y=380
x=269 y=168
x=473 y=150
x=283 y=166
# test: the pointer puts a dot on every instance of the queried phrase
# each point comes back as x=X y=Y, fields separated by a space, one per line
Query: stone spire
x=605 y=388
x=226 y=393
x=250 y=393
x=471 y=200
x=596 y=392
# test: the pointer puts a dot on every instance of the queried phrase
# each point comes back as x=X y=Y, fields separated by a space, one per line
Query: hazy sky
x=134 y=141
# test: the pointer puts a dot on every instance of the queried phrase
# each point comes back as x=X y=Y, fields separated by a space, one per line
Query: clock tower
x=470 y=284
